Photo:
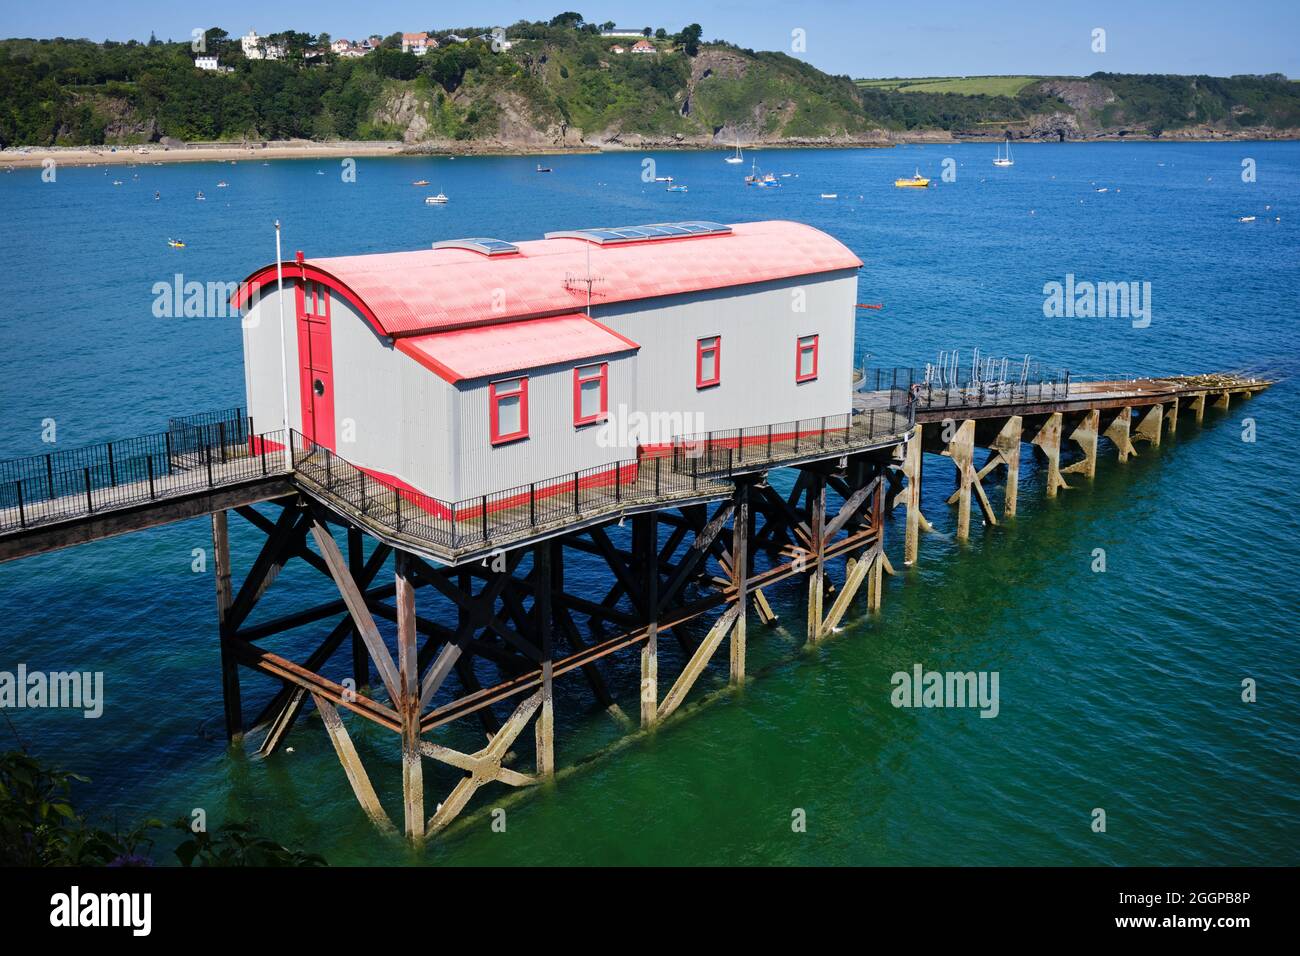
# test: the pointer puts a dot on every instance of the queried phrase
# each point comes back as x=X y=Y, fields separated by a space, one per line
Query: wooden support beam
x=483 y=766
x=1048 y=441
x=544 y=731
x=912 y=471
x=1171 y=416
x=1119 y=432
x=646 y=529
x=356 y=773
x=740 y=579
x=275 y=552
x=1198 y=406
x=229 y=663
x=765 y=613
x=1007 y=446
x=852 y=505
x=1085 y=435
x=1150 y=425
x=356 y=564
x=876 y=592
x=408 y=703
x=817 y=554
x=699 y=660
x=356 y=603
x=961 y=449
x=284 y=708
x=1223 y=399
x=856 y=573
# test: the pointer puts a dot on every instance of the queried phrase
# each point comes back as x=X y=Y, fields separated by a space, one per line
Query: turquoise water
x=1119 y=690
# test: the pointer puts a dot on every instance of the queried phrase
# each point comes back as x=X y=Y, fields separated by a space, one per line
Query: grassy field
x=963 y=85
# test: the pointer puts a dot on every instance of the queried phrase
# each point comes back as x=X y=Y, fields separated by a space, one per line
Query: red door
x=316 y=363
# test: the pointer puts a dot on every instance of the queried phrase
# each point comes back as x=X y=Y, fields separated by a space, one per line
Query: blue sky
x=898 y=38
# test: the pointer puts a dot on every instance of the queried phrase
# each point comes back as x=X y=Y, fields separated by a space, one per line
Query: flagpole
x=284 y=362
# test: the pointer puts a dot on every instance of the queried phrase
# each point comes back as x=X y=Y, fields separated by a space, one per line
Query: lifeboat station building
x=481 y=364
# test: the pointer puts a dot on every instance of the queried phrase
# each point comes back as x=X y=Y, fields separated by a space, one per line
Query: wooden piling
x=225 y=598
x=1048 y=441
x=740 y=577
x=1119 y=432
x=408 y=705
x=817 y=554
x=1086 y=435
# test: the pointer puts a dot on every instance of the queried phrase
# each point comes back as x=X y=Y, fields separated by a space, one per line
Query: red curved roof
x=459 y=354
x=427 y=290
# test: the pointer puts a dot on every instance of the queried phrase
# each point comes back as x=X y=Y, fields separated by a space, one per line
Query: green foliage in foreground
x=40 y=827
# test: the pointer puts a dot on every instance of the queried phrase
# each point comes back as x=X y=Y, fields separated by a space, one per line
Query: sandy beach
x=203 y=153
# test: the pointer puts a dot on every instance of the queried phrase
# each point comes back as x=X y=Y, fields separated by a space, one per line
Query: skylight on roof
x=654 y=231
x=483 y=246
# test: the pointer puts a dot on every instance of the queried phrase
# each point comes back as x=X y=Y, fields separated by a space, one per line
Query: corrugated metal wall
x=554 y=446
x=759 y=327
x=262 y=361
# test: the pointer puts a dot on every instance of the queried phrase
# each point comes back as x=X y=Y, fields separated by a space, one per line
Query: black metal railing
x=964 y=388
x=492 y=519
x=748 y=449
x=72 y=483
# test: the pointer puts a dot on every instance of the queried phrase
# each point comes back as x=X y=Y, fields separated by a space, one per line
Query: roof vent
x=483 y=246
x=655 y=231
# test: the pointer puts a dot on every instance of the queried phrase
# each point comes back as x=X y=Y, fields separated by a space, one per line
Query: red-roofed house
x=480 y=365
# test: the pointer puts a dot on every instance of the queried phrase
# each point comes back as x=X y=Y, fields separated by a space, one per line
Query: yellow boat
x=916 y=182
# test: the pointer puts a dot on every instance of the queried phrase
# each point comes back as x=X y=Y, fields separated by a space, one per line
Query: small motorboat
x=223 y=184
x=677 y=189
x=157 y=194
x=420 y=182
x=437 y=200
x=1246 y=219
x=543 y=169
x=916 y=182
x=663 y=179
x=830 y=195
x=200 y=197
x=176 y=243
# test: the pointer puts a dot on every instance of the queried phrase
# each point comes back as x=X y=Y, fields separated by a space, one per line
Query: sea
x=1160 y=687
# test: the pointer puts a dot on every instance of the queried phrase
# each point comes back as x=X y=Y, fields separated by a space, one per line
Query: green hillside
x=560 y=84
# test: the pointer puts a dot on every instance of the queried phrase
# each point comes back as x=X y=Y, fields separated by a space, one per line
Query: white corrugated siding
x=554 y=446
x=759 y=327
x=262 y=362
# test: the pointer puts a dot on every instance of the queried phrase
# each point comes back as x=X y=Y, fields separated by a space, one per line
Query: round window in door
x=318 y=387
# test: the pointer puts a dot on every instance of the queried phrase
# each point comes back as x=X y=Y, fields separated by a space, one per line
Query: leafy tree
x=689 y=39
x=569 y=20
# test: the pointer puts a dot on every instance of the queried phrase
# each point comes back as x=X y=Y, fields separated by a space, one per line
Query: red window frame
x=700 y=349
x=508 y=388
x=584 y=375
x=799 y=349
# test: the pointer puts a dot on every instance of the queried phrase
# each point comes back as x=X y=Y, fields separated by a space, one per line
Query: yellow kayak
x=916 y=182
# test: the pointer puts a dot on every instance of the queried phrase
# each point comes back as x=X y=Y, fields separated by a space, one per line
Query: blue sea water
x=1118 y=690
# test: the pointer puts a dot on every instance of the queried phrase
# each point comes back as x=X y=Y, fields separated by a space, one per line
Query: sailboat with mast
x=736 y=159
x=1004 y=160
